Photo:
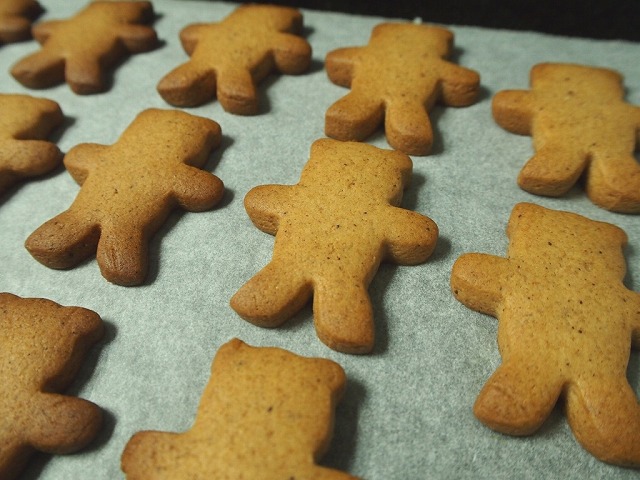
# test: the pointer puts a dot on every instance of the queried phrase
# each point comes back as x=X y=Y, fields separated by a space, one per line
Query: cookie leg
x=517 y=399
x=553 y=170
x=122 y=255
x=236 y=92
x=408 y=128
x=14 y=456
x=64 y=241
x=343 y=315
x=15 y=29
x=188 y=86
x=353 y=117
x=615 y=185
x=39 y=70
x=84 y=75
x=605 y=418
x=272 y=296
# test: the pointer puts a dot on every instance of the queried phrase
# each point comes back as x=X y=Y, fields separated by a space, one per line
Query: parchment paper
x=407 y=409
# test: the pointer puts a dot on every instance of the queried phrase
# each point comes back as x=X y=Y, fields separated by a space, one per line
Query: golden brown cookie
x=332 y=231
x=229 y=58
x=15 y=19
x=25 y=122
x=42 y=346
x=79 y=50
x=566 y=324
x=397 y=78
x=580 y=126
x=128 y=190
x=266 y=413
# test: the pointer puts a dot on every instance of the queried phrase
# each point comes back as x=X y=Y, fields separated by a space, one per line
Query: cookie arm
x=267 y=204
x=138 y=38
x=476 y=281
x=292 y=54
x=197 y=190
x=43 y=30
x=340 y=64
x=410 y=238
x=459 y=86
x=513 y=110
x=80 y=160
x=190 y=36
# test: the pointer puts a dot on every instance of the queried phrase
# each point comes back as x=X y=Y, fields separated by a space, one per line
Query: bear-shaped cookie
x=266 y=413
x=79 y=50
x=42 y=347
x=396 y=79
x=16 y=17
x=229 y=58
x=128 y=190
x=24 y=124
x=580 y=126
x=566 y=326
x=332 y=229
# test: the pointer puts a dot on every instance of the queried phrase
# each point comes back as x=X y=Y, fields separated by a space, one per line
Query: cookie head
x=435 y=40
x=50 y=328
x=577 y=81
x=322 y=385
x=533 y=229
x=347 y=160
x=276 y=18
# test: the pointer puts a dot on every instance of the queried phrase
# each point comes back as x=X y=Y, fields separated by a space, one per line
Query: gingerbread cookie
x=266 y=413
x=80 y=49
x=580 y=126
x=229 y=58
x=566 y=324
x=128 y=190
x=332 y=231
x=24 y=124
x=42 y=346
x=15 y=19
x=397 y=78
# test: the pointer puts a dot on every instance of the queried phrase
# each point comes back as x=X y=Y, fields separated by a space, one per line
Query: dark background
x=601 y=19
